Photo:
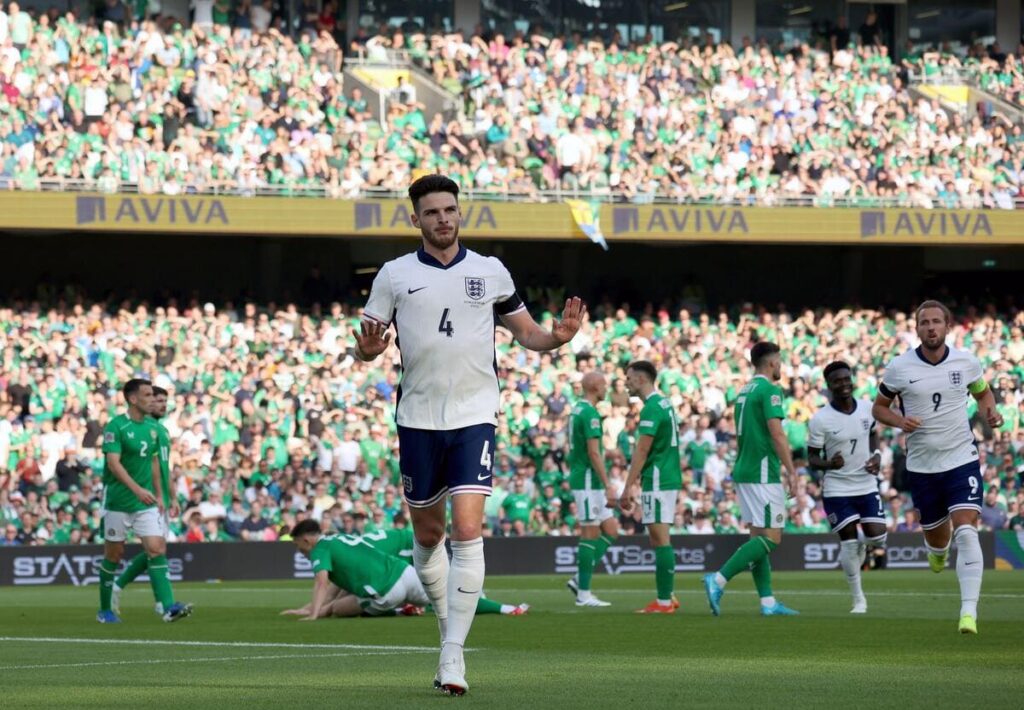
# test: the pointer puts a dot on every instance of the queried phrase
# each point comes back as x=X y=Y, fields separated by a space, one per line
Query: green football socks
x=748 y=555
x=664 y=571
x=136 y=567
x=159 y=581
x=107 y=569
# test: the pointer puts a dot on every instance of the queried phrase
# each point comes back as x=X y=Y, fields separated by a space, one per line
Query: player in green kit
x=140 y=562
x=132 y=500
x=595 y=501
x=763 y=446
x=378 y=583
x=397 y=543
x=656 y=465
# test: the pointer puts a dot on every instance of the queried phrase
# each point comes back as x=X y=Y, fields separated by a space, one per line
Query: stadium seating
x=85 y=105
x=281 y=418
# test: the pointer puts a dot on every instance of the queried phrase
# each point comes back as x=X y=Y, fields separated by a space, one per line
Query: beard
x=441 y=241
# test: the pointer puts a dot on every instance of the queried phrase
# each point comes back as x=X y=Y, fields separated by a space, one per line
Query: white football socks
x=465 y=582
x=849 y=557
x=969 y=568
x=431 y=565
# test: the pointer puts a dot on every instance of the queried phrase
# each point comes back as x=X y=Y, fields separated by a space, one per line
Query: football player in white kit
x=444 y=301
x=842 y=443
x=932 y=382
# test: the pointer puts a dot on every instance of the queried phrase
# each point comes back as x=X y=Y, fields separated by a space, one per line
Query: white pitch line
x=222 y=644
x=196 y=660
x=792 y=592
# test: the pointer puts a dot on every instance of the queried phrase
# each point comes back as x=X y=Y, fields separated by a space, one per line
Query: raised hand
x=572 y=319
x=372 y=340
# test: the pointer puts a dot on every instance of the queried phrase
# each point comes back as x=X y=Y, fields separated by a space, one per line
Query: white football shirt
x=444 y=320
x=937 y=395
x=836 y=432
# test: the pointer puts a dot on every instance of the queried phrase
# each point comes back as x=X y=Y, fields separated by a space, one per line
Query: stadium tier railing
x=476 y=194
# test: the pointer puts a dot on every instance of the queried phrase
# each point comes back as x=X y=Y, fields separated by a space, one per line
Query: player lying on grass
x=396 y=544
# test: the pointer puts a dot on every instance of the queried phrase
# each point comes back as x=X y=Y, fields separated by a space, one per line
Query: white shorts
x=659 y=506
x=407 y=590
x=762 y=505
x=591 y=507
x=145 y=523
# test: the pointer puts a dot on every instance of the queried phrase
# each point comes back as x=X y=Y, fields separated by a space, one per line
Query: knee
x=465 y=529
x=429 y=534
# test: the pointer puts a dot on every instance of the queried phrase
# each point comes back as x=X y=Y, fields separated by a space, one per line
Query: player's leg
x=136 y=566
x=345 y=606
x=929 y=498
x=595 y=520
x=843 y=517
x=149 y=527
x=334 y=593
x=115 y=529
x=422 y=456
x=963 y=491
x=490 y=606
x=659 y=508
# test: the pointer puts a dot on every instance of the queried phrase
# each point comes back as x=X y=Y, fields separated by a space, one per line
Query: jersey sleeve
x=893 y=381
x=771 y=404
x=973 y=372
x=381 y=304
x=507 y=301
x=320 y=557
x=815 y=433
x=111 y=439
x=593 y=425
x=650 y=418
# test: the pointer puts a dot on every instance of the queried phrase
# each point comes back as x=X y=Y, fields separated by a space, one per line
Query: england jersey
x=937 y=395
x=837 y=432
x=444 y=320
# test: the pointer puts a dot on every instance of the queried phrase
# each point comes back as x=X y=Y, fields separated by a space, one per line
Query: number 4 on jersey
x=446 y=325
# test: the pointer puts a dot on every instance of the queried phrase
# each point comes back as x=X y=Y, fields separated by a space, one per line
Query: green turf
x=905 y=653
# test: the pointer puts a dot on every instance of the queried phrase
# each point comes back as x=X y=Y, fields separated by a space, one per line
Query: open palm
x=572 y=319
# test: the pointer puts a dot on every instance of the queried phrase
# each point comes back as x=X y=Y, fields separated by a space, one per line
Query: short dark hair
x=762 y=351
x=645 y=367
x=159 y=391
x=932 y=303
x=834 y=366
x=306 y=527
x=429 y=184
x=133 y=385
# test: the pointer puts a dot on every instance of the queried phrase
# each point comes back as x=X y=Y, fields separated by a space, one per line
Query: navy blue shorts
x=843 y=510
x=439 y=463
x=936 y=495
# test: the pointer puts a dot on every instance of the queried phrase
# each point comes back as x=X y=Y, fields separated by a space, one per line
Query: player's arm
x=597 y=465
x=531 y=336
x=874 y=463
x=373 y=338
x=643 y=448
x=321 y=594
x=980 y=390
x=781 y=445
x=816 y=448
x=158 y=484
x=883 y=412
x=125 y=479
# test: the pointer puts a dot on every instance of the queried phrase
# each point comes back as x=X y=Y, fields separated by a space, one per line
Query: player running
x=140 y=562
x=932 y=382
x=763 y=446
x=132 y=500
x=656 y=464
x=595 y=500
x=443 y=300
x=842 y=443
x=397 y=543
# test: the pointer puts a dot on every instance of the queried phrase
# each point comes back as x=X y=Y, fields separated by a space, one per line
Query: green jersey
x=661 y=471
x=163 y=438
x=138 y=443
x=396 y=542
x=356 y=567
x=759 y=401
x=584 y=425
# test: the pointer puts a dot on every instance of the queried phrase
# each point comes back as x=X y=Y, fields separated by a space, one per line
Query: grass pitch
x=237 y=652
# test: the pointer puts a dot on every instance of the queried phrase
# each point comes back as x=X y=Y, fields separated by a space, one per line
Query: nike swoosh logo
x=968 y=564
x=482 y=478
x=465 y=592
x=414 y=290
x=917 y=380
x=973 y=499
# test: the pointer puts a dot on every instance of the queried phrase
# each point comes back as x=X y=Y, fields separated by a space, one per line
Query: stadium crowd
x=272 y=418
x=231 y=103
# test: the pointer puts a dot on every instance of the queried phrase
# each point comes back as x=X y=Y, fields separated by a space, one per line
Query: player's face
x=305 y=543
x=438 y=218
x=143 y=398
x=932 y=328
x=840 y=384
x=634 y=382
x=775 y=366
x=159 y=409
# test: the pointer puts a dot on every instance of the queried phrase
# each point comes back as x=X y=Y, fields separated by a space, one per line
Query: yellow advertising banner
x=206 y=214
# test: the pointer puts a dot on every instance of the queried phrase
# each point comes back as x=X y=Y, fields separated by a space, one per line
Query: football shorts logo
x=956 y=378
x=475 y=287
x=778 y=518
x=832 y=519
x=407 y=483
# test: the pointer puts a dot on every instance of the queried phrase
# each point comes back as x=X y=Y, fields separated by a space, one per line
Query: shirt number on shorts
x=485 y=456
x=973 y=480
